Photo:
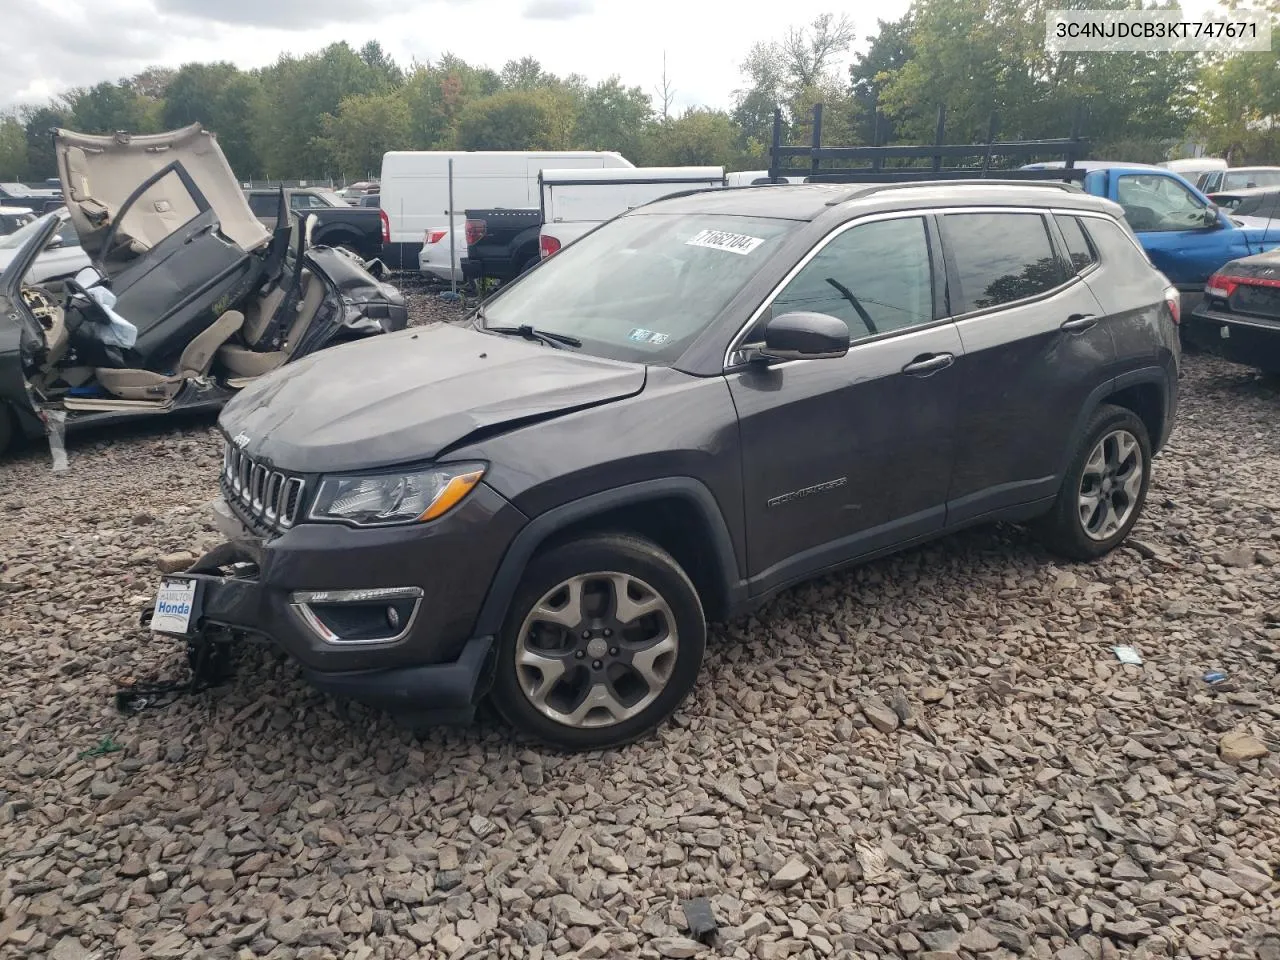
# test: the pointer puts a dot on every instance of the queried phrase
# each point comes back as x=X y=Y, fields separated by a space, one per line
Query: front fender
x=503 y=586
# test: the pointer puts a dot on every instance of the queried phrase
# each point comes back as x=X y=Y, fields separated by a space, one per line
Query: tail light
x=476 y=229
x=386 y=226
x=548 y=245
x=1222 y=285
x=1174 y=301
x=434 y=236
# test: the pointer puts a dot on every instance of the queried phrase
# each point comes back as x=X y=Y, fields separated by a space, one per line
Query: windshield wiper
x=540 y=336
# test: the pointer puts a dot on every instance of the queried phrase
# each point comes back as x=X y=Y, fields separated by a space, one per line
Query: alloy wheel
x=597 y=649
x=1110 y=484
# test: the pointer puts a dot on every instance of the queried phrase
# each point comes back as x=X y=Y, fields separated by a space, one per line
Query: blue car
x=1186 y=236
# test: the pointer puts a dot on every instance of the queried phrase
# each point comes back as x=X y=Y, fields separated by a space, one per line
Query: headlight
x=383 y=499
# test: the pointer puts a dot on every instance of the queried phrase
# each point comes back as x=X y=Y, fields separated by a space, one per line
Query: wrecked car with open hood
x=189 y=297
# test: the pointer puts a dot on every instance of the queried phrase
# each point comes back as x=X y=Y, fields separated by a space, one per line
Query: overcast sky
x=68 y=43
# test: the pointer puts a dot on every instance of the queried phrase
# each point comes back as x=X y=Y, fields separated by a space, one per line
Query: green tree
x=1239 y=109
x=40 y=124
x=221 y=98
x=297 y=94
x=699 y=137
x=438 y=93
x=13 y=148
x=611 y=116
x=887 y=53
x=792 y=74
x=363 y=129
x=513 y=120
x=108 y=107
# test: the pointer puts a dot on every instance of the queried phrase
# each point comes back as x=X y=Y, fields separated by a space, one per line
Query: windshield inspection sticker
x=738 y=243
x=641 y=335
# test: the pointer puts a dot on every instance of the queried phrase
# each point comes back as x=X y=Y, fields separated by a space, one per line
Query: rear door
x=1035 y=346
x=845 y=457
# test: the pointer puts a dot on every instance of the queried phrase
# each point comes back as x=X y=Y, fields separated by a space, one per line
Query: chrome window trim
x=735 y=345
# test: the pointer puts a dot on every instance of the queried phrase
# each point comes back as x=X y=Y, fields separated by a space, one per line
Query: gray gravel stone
x=1027 y=790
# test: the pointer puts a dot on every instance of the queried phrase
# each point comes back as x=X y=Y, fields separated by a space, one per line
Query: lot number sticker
x=738 y=243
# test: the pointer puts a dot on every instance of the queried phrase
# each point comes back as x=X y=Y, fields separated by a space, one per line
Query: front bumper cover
x=435 y=669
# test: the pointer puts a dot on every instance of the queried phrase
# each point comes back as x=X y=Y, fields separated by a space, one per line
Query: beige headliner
x=100 y=172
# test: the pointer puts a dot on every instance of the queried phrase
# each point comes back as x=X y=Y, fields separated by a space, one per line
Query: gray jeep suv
x=697 y=405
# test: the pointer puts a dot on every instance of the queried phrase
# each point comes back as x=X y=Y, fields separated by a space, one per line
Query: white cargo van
x=576 y=201
x=415 y=191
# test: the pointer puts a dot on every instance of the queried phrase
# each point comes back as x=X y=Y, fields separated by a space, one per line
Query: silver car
x=62 y=256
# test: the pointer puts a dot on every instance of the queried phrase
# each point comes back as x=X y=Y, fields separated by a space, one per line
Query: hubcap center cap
x=597 y=648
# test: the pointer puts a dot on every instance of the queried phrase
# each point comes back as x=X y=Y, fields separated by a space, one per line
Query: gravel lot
x=933 y=755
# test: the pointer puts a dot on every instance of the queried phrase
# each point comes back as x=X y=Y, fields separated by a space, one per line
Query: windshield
x=643 y=287
x=1252 y=178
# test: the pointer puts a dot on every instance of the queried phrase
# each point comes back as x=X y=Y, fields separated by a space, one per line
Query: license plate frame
x=177 y=606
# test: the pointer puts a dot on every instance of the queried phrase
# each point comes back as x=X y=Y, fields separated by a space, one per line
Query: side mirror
x=1211 y=217
x=54 y=242
x=805 y=336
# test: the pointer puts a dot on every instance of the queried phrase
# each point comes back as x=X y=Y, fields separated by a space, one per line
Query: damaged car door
x=157 y=217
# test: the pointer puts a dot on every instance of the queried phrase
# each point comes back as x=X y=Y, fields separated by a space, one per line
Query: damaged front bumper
x=382 y=616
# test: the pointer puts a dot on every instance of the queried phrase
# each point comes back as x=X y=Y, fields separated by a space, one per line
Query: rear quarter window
x=1079 y=248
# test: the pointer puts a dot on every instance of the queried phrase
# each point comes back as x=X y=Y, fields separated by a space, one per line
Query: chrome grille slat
x=268 y=499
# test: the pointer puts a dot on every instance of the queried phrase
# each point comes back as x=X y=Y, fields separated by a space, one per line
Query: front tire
x=1104 y=489
x=602 y=643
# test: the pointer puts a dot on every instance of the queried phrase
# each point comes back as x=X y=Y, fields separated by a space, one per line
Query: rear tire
x=1104 y=489
x=603 y=641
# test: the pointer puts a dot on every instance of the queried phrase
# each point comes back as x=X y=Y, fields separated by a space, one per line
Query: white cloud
x=67 y=43
x=557 y=9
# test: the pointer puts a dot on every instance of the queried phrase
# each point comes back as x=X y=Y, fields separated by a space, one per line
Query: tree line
x=334 y=112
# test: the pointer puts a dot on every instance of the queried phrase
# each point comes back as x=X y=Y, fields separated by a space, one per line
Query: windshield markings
x=738 y=243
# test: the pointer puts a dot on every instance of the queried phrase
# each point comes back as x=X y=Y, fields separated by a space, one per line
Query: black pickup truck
x=501 y=243
x=20 y=195
x=338 y=224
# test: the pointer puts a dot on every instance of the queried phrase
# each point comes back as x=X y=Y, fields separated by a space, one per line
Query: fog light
x=379 y=615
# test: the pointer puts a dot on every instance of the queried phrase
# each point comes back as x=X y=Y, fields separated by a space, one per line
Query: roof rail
x=972 y=161
x=1057 y=183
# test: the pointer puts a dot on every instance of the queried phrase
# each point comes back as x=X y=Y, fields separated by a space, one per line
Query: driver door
x=842 y=458
x=1169 y=221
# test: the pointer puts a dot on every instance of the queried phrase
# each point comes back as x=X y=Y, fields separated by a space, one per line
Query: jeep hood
x=405 y=397
x=101 y=174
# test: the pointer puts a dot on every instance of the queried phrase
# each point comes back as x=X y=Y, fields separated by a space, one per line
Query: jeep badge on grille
x=240 y=440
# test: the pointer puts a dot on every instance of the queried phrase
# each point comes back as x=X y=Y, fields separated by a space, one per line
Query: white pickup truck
x=576 y=201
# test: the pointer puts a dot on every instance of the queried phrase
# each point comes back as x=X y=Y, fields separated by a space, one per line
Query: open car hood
x=101 y=174
x=406 y=396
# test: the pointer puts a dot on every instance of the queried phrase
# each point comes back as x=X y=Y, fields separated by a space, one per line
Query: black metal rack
x=871 y=160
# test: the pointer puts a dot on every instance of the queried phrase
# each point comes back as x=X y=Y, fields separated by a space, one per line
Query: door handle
x=1078 y=322
x=928 y=364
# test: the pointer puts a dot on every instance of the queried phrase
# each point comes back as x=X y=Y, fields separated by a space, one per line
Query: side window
x=300 y=201
x=999 y=258
x=1078 y=247
x=1158 y=204
x=876 y=277
x=263 y=204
